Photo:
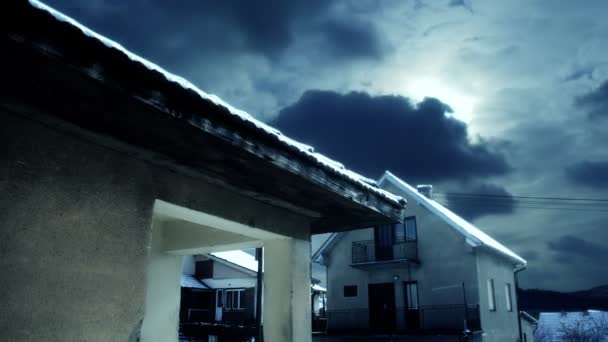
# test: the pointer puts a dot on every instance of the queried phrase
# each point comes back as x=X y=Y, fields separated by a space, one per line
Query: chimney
x=426 y=190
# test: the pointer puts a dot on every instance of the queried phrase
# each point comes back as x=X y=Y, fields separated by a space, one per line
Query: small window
x=491 y=297
x=411 y=295
x=508 y=297
x=350 y=291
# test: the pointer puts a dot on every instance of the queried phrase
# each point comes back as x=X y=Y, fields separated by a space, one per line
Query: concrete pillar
x=287 y=315
x=161 y=318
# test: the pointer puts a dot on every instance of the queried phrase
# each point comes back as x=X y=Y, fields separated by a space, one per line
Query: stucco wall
x=498 y=325
x=75 y=223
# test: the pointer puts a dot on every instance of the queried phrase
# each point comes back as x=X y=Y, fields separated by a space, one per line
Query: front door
x=412 y=310
x=384 y=238
x=381 y=299
x=219 y=304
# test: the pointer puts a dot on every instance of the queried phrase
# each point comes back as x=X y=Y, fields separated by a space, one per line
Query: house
x=112 y=170
x=528 y=326
x=229 y=296
x=432 y=272
x=589 y=325
x=220 y=288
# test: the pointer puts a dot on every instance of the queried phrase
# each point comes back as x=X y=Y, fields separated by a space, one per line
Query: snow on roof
x=553 y=322
x=318 y=288
x=239 y=258
x=191 y=282
x=473 y=234
x=230 y=283
x=307 y=150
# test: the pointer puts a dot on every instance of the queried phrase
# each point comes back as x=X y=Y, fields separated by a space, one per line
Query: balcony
x=370 y=252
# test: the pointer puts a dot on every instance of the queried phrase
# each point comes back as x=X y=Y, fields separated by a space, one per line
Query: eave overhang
x=55 y=68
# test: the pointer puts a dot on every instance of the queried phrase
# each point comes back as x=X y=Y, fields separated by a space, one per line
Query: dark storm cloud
x=352 y=38
x=596 y=102
x=177 y=32
x=375 y=133
x=570 y=245
x=461 y=3
x=589 y=173
x=471 y=208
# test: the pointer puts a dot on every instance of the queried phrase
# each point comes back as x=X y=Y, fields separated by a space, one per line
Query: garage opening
x=206 y=259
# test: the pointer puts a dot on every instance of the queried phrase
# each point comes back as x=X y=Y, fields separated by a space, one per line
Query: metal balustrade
x=368 y=251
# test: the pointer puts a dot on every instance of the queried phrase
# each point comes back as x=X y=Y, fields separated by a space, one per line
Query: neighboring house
x=418 y=275
x=221 y=288
x=112 y=170
x=528 y=326
x=590 y=325
x=228 y=294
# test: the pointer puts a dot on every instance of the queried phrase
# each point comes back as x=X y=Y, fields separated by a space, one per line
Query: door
x=412 y=309
x=219 y=304
x=384 y=238
x=381 y=299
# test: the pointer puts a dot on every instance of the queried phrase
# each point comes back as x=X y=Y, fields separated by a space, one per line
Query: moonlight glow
x=463 y=105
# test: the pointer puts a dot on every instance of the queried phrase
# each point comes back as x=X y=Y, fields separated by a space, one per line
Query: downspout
x=515 y=273
x=259 y=255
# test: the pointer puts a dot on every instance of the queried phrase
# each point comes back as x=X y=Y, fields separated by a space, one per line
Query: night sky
x=499 y=98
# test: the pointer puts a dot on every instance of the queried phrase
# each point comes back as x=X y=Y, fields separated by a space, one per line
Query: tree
x=589 y=329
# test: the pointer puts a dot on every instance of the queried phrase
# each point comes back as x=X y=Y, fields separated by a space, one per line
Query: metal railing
x=368 y=251
x=347 y=320
x=449 y=318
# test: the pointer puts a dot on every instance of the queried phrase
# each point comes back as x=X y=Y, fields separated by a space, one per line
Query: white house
x=419 y=274
x=227 y=294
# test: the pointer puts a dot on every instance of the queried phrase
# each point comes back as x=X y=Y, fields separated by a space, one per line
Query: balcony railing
x=448 y=319
x=369 y=251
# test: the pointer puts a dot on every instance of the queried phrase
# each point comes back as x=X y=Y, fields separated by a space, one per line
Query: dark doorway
x=381 y=307
x=412 y=309
x=384 y=238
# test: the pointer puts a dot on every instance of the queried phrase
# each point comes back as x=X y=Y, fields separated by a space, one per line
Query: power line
x=503 y=205
x=462 y=194
x=508 y=201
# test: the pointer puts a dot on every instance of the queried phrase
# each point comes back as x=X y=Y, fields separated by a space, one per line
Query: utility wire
x=508 y=201
x=462 y=194
x=515 y=205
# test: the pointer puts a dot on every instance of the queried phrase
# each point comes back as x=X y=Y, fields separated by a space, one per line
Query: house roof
x=526 y=316
x=238 y=258
x=229 y=283
x=174 y=101
x=473 y=235
x=191 y=282
x=318 y=288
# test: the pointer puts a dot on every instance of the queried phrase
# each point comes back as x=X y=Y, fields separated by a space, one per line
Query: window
x=508 y=296
x=411 y=295
x=235 y=299
x=350 y=291
x=204 y=269
x=491 y=298
x=406 y=230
